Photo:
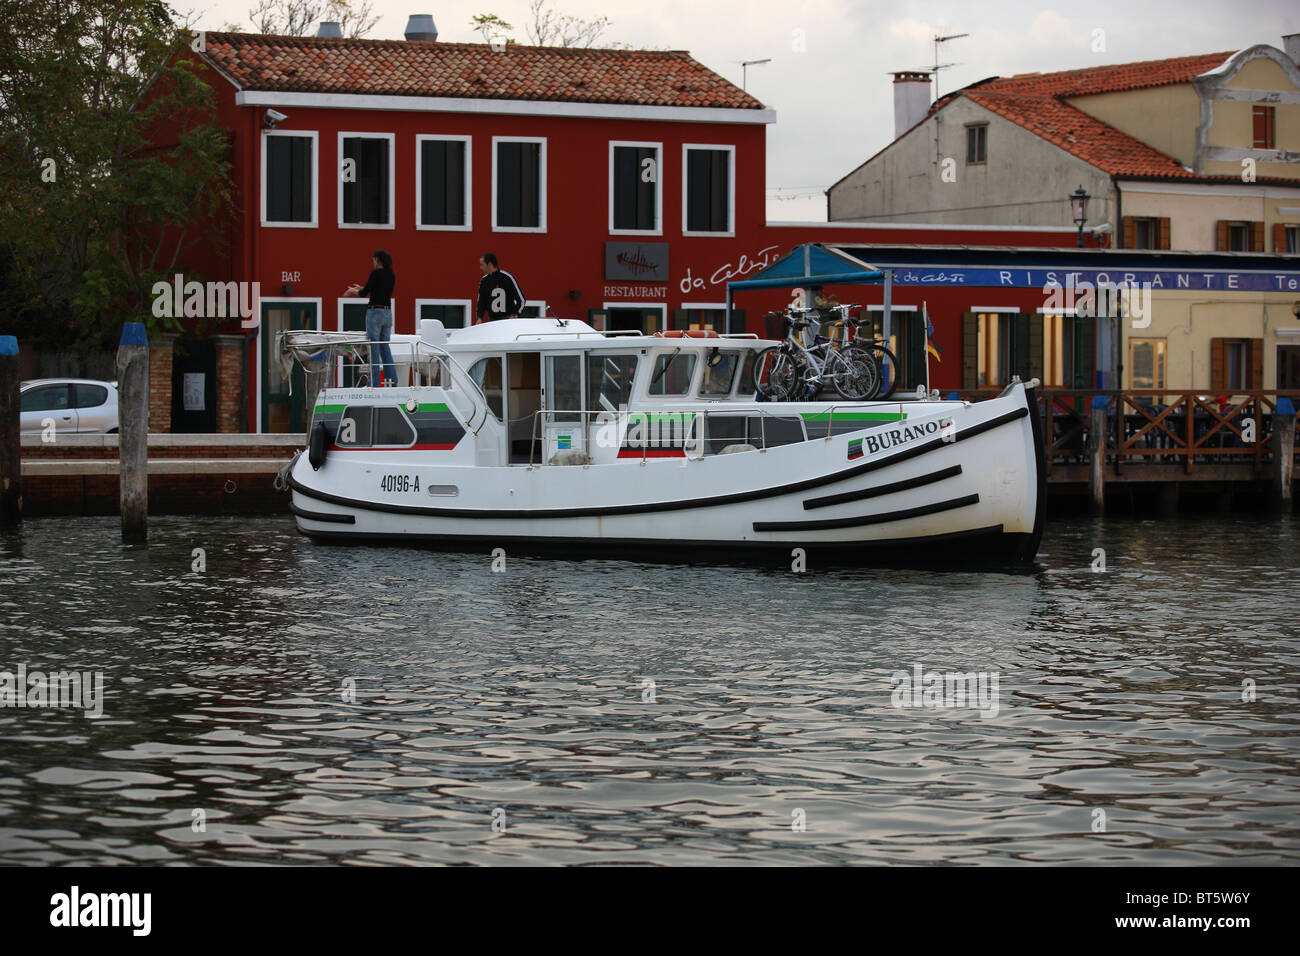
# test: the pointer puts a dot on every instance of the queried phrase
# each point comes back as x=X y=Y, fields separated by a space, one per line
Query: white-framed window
x=533 y=309
x=518 y=184
x=708 y=190
x=443 y=183
x=705 y=315
x=289 y=186
x=635 y=196
x=366 y=173
x=452 y=313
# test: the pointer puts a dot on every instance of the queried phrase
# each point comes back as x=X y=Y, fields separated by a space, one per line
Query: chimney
x=1291 y=44
x=330 y=30
x=420 y=27
x=911 y=99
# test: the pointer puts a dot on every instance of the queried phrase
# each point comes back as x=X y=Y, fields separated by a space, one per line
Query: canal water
x=299 y=703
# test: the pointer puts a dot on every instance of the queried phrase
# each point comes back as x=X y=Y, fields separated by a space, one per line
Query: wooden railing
x=1170 y=427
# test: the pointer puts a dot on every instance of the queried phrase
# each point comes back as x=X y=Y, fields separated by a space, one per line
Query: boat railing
x=340 y=359
x=685 y=436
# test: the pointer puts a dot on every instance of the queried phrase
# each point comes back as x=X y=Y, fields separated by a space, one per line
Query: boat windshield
x=609 y=380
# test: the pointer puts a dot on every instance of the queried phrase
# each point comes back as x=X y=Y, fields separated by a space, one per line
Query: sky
x=828 y=79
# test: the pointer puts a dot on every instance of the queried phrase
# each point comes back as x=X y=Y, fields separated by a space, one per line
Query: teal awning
x=808 y=265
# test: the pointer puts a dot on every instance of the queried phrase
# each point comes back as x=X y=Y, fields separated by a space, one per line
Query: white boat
x=546 y=432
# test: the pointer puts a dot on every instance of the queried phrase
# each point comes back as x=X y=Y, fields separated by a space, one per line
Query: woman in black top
x=379 y=316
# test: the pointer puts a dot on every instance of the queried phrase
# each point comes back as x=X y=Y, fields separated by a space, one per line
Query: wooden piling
x=1097 y=456
x=11 y=479
x=133 y=431
x=1283 y=453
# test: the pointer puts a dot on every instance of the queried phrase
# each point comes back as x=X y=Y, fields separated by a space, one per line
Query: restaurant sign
x=636 y=261
x=1218 y=281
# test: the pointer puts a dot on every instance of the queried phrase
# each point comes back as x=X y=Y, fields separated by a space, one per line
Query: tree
x=555 y=29
x=297 y=17
x=112 y=162
x=548 y=28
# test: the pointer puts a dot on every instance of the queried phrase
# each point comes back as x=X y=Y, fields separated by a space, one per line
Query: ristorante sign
x=1042 y=278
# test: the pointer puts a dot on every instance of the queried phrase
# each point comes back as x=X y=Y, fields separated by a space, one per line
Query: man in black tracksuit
x=499 y=296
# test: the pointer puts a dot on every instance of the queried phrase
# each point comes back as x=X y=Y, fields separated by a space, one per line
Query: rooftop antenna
x=942 y=66
x=744 y=69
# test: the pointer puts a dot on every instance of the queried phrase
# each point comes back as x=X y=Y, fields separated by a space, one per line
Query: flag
x=930 y=347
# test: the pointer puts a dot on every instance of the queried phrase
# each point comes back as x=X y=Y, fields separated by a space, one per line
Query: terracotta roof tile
x=1039 y=103
x=420 y=68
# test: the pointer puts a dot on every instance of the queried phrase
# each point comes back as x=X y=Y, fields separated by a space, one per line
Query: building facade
x=1194 y=153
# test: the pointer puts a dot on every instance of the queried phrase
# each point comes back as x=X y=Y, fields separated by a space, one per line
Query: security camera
x=273 y=117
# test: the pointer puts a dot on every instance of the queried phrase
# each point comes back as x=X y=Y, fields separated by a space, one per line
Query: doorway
x=283 y=408
x=1288 y=367
x=194 y=387
x=523 y=401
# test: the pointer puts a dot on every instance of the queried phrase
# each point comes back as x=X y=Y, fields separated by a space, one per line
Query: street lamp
x=1079 y=207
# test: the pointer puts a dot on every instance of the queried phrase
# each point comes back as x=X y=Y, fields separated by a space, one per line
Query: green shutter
x=970 y=339
x=914 y=360
x=1085 y=359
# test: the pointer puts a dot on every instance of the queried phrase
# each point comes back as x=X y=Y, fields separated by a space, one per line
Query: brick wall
x=230 y=381
x=161 y=350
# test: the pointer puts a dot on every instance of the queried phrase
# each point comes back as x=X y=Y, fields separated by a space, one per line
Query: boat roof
x=559 y=333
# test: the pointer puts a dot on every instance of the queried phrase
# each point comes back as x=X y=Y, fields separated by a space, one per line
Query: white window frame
x=658 y=230
x=422 y=138
x=541 y=183
x=541 y=307
x=392 y=180
x=663 y=306
x=467 y=303
x=731 y=190
x=314 y=136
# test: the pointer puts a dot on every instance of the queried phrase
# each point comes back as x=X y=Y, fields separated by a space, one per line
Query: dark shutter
x=1256 y=237
x=914 y=359
x=1128 y=233
x=708 y=181
x=737 y=321
x=1035 y=365
x=634 y=199
x=1279 y=237
x=1164 y=234
x=680 y=319
x=519 y=173
x=1221 y=235
x=1085 y=360
x=442 y=183
x=1255 y=374
x=365 y=200
x=288 y=179
x=970 y=339
x=1218 y=363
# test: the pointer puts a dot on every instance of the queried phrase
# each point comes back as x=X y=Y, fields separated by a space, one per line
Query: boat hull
x=906 y=492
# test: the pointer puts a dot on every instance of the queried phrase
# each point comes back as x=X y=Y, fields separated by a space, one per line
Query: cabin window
x=354 y=426
x=486 y=373
x=564 y=387
x=519 y=184
x=768 y=431
x=392 y=428
x=443 y=185
x=366 y=180
x=609 y=380
x=672 y=374
x=719 y=374
x=634 y=188
x=707 y=197
x=288 y=187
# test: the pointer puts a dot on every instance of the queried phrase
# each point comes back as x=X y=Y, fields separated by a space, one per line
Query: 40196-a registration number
x=400 y=483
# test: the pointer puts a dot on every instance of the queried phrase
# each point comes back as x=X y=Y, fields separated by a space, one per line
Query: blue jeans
x=379 y=329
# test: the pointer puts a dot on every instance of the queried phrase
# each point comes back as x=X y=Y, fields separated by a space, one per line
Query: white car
x=72 y=404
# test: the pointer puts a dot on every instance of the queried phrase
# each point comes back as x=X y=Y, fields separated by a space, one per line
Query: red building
x=624 y=187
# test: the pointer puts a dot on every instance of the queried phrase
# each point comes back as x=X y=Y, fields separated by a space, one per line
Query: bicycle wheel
x=886 y=367
x=776 y=374
x=854 y=374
